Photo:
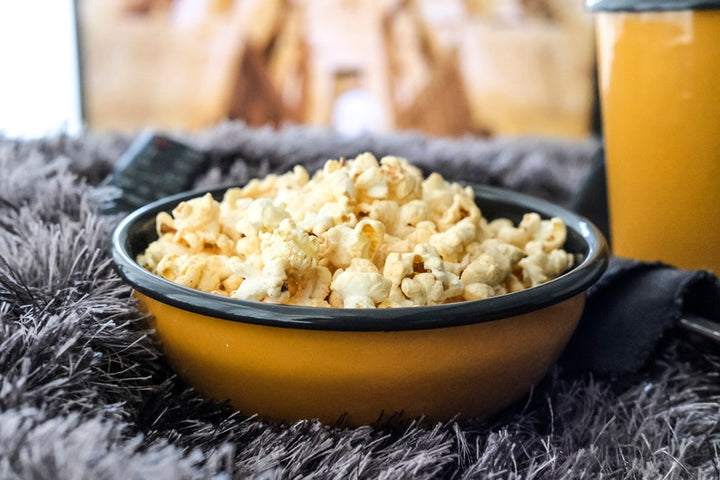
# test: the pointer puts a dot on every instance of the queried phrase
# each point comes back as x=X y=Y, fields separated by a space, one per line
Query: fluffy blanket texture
x=84 y=392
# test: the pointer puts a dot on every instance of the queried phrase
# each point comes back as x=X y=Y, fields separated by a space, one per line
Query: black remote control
x=153 y=167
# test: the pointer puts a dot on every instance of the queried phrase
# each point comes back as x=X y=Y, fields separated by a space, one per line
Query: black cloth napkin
x=631 y=308
x=635 y=305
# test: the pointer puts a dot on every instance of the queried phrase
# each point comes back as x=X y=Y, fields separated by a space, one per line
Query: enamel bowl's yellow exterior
x=289 y=373
x=285 y=363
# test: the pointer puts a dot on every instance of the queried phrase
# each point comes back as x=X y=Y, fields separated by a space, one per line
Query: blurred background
x=442 y=67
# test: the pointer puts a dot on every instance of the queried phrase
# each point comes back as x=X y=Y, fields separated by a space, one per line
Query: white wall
x=39 y=75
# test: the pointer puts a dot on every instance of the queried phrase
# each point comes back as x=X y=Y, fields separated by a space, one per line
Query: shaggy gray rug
x=84 y=393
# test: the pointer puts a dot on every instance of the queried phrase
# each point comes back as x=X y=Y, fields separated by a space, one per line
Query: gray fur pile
x=84 y=393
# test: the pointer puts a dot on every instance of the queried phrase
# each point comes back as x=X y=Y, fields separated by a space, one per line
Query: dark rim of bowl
x=593 y=259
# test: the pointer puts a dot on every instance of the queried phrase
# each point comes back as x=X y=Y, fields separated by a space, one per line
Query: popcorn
x=404 y=180
x=539 y=265
x=358 y=286
x=369 y=179
x=310 y=289
x=210 y=273
x=342 y=244
x=452 y=242
x=420 y=278
x=360 y=233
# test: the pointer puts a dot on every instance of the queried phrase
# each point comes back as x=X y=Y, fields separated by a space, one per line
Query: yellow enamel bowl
x=286 y=363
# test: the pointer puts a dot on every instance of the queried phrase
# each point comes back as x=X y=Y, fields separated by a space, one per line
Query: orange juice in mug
x=659 y=79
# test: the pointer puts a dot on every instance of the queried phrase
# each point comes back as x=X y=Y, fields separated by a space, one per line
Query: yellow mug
x=659 y=81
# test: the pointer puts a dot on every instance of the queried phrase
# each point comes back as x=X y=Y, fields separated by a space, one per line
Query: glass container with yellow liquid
x=659 y=80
